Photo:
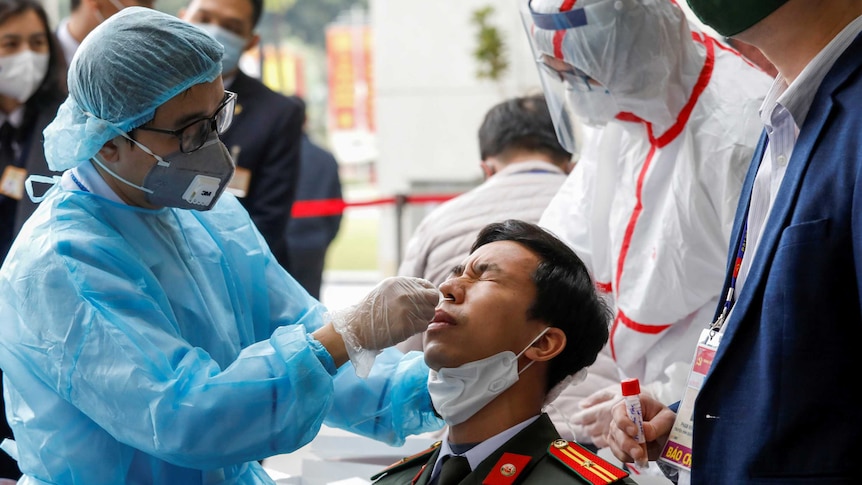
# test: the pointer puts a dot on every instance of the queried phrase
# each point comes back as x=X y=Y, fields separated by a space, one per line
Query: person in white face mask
x=30 y=92
x=266 y=135
x=650 y=205
x=520 y=319
x=85 y=16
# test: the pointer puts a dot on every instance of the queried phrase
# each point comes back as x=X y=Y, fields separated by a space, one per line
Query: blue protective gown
x=168 y=346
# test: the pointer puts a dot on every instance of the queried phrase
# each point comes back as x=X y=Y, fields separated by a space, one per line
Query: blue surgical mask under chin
x=193 y=180
x=460 y=392
x=233 y=44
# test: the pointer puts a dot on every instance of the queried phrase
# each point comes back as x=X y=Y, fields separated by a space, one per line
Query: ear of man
x=252 y=43
x=548 y=346
x=110 y=151
x=489 y=166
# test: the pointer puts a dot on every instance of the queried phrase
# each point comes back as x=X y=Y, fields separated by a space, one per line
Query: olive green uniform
x=534 y=456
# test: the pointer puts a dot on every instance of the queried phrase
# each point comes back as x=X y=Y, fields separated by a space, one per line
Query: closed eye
x=458 y=270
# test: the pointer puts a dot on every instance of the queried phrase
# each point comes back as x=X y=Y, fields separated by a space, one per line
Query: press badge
x=12 y=182
x=677 y=450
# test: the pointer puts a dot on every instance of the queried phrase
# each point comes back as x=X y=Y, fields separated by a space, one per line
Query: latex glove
x=594 y=417
x=395 y=309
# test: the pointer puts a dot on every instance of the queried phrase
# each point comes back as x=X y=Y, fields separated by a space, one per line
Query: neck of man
x=81 y=22
x=9 y=104
x=515 y=405
x=806 y=25
x=495 y=164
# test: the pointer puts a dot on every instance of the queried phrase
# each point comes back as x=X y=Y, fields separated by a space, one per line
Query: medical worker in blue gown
x=144 y=342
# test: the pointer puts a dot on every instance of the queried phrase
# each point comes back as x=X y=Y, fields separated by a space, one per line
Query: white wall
x=429 y=103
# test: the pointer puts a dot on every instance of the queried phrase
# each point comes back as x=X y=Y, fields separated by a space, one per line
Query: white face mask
x=460 y=392
x=22 y=74
x=233 y=44
x=593 y=105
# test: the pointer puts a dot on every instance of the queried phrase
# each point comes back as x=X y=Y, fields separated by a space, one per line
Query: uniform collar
x=483 y=450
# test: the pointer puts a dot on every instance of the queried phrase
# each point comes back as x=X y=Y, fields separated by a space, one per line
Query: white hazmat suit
x=650 y=204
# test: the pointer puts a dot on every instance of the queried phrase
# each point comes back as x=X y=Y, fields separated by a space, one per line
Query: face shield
x=568 y=64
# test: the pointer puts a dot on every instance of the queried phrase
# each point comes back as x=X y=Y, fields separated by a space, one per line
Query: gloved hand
x=395 y=309
x=595 y=416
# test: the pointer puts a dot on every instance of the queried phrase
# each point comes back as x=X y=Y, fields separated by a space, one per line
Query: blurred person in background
x=309 y=236
x=265 y=139
x=31 y=90
x=523 y=166
x=148 y=334
x=86 y=15
x=649 y=208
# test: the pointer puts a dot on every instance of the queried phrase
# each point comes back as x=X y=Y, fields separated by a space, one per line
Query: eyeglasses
x=195 y=134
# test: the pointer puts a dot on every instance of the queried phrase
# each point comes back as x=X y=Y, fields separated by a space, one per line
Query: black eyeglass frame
x=200 y=137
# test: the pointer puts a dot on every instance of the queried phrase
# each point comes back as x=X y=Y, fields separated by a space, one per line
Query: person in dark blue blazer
x=265 y=136
x=28 y=117
x=779 y=403
x=309 y=236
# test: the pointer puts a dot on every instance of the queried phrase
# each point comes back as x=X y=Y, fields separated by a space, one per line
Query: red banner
x=349 y=64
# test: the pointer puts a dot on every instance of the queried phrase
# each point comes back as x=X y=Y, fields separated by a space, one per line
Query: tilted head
x=124 y=70
x=519 y=282
x=599 y=58
x=146 y=103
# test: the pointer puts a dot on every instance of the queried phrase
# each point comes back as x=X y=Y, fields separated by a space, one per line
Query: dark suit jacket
x=779 y=402
x=34 y=162
x=267 y=128
x=309 y=237
x=533 y=441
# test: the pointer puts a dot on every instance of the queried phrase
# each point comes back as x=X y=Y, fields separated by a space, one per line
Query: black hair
x=566 y=296
x=53 y=85
x=74 y=4
x=522 y=123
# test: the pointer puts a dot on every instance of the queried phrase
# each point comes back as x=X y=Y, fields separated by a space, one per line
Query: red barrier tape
x=334 y=207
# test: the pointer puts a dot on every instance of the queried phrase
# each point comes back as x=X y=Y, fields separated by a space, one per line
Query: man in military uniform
x=519 y=321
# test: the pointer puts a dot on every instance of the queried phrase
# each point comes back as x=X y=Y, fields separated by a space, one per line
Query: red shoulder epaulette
x=407 y=460
x=585 y=463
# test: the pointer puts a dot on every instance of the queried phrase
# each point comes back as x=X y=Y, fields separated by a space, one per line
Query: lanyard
x=730 y=300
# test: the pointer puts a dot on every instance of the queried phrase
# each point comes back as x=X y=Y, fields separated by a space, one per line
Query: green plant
x=490 y=51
